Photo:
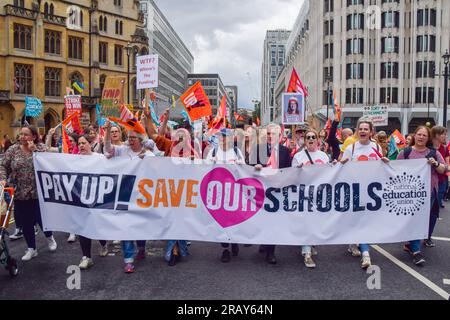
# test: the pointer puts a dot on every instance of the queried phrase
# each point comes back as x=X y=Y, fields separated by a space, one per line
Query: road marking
x=414 y=273
x=447 y=282
x=441 y=239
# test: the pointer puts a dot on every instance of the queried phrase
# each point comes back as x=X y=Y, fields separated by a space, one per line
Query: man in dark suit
x=277 y=157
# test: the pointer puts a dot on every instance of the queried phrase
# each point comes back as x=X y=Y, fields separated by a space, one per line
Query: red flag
x=220 y=121
x=296 y=85
x=238 y=117
x=196 y=102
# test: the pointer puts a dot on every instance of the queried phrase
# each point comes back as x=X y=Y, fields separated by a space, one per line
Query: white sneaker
x=17 y=235
x=29 y=254
x=354 y=251
x=309 y=262
x=72 y=238
x=103 y=250
x=86 y=263
x=52 y=243
x=366 y=263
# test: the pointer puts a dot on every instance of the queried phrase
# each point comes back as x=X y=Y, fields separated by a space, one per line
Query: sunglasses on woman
x=311 y=138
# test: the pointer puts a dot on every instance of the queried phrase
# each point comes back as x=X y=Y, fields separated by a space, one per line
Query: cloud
x=227 y=37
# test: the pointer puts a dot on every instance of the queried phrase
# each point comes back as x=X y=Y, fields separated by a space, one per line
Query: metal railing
x=20 y=12
x=51 y=18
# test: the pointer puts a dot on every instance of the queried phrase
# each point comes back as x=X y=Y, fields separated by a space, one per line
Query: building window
x=118 y=55
x=425 y=69
x=144 y=51
x=19 y=3
x=355 y=46
x=103 y=52
x=426 y=17
x=390 y=19
x=22 y=36
x=52 y=43
x=23 y=79
x=329 y=27
x=354 y=2
x=328 y=51
x=355 y=71
x=355 y=21
x=49 y=10
x=389 y=95
x=75 y=48
x=119 y=27
x=328 y=5
x=354 y=95
x=426 y=43
x=52 y=82
x=390 y=44
x=118 y=3
x=424 y=95
x=103 y=24
x=389 y=70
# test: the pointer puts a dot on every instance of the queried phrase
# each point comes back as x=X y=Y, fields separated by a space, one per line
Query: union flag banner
x=296 y=85
x=196 y=102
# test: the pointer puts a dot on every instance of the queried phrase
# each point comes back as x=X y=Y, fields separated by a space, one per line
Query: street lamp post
x=446 y=58
x=128 y=49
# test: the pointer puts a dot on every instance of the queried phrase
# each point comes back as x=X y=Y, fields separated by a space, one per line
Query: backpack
x=432 y=154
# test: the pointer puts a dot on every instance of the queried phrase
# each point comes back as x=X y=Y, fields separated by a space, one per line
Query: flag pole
x=146 y=100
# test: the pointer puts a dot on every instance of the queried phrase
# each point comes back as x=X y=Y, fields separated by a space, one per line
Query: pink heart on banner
x=231 y=202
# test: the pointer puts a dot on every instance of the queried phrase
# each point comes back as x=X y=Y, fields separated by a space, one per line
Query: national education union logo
x=405 y=194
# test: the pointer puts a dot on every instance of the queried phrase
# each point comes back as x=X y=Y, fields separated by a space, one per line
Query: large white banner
x=160 y=199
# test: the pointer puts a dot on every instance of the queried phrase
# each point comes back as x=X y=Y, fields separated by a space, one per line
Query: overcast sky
x=227 y=37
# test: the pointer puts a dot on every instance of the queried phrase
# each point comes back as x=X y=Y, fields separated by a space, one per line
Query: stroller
x=6 y=208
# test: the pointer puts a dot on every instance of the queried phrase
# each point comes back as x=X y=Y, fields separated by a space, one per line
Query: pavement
x=202 y=276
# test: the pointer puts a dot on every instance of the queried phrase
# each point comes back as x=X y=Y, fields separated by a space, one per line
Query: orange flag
x=220 y=118
x=196 y=102
x=399 y=139
x=72 y=123
x=128 y=120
